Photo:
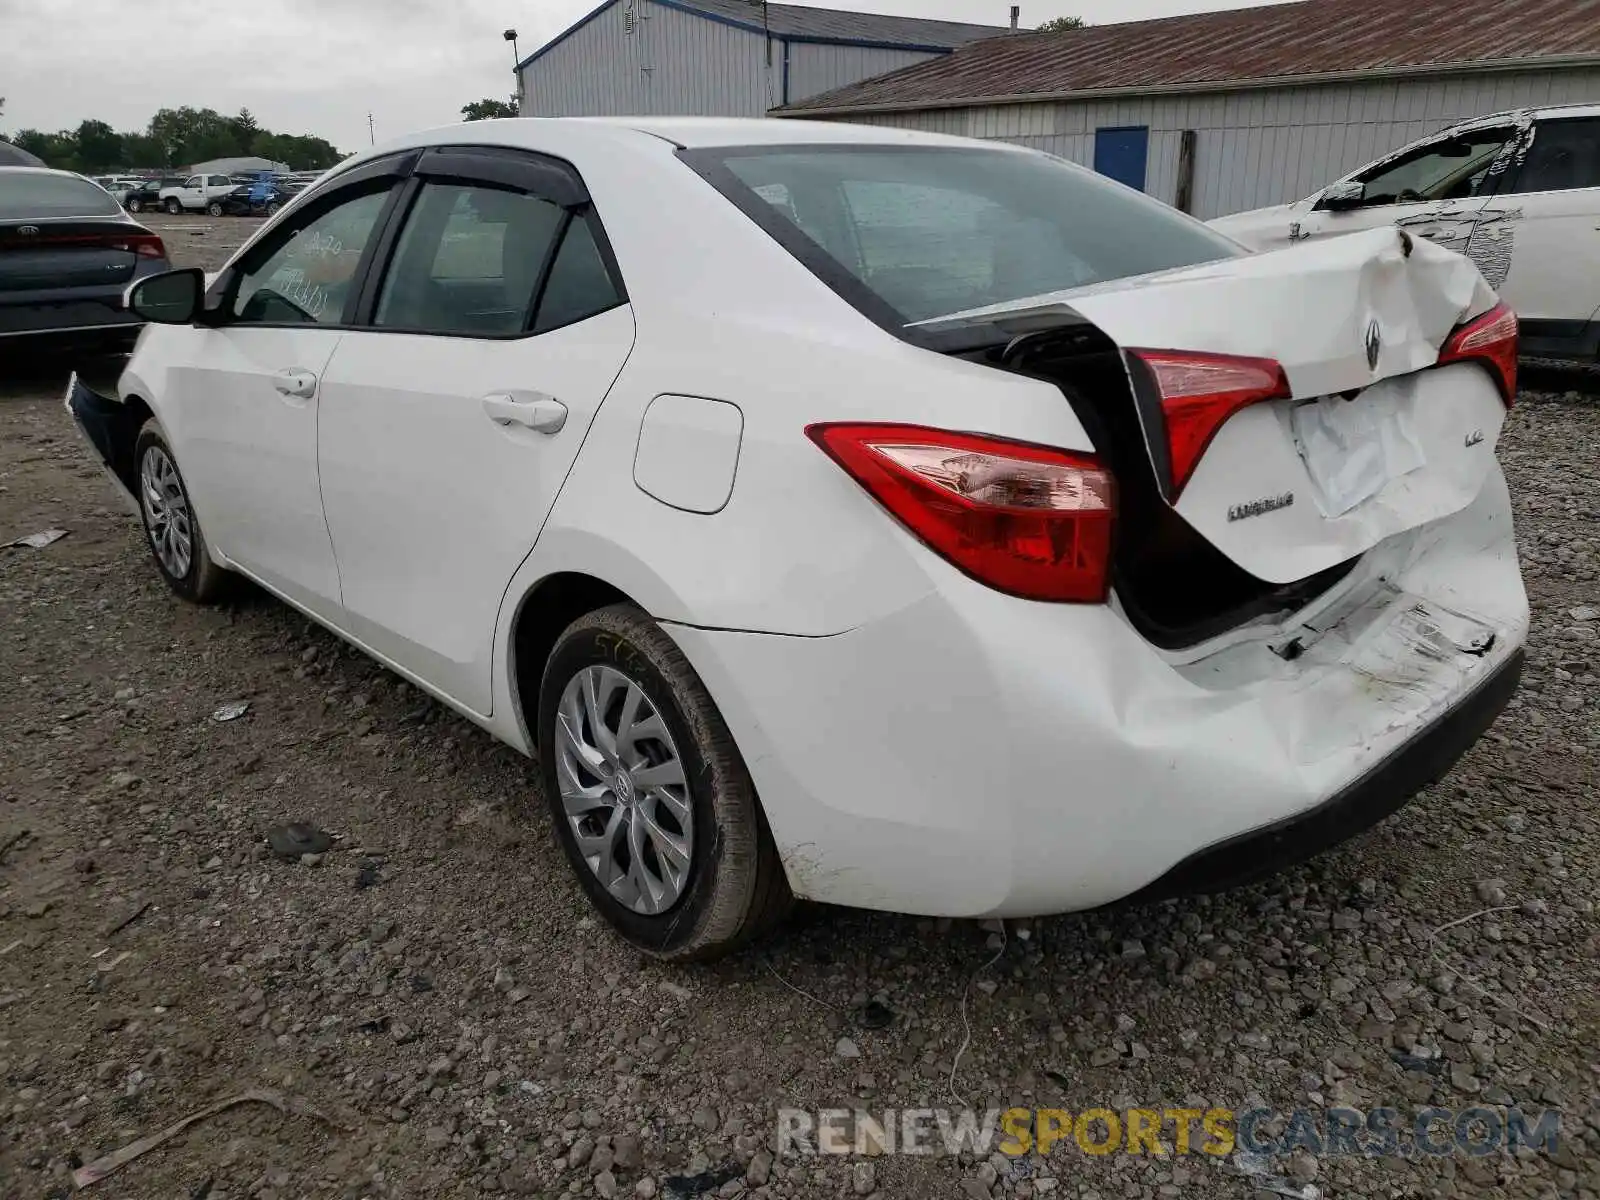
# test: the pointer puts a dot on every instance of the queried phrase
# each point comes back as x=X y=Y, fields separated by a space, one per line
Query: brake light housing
x=1490 y=339
x=1031 y=521
x=1198 y=392
x=145 y=245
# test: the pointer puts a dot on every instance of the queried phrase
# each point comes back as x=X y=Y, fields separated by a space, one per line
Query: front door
x=1122 y=153
x=1436 y=190
x=245 y=404
x=448 y=425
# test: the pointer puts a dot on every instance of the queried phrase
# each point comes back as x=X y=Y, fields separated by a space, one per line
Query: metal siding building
x=730 y=58
x=1270 y=124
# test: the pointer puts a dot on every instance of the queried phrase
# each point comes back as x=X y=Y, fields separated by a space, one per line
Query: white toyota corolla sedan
x=854 y=514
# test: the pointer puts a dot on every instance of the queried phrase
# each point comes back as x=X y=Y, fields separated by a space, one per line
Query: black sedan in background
x=67 y=256
x=148 y=194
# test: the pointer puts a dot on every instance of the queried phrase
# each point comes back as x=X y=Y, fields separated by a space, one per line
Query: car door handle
x=295 y=383
x=542 y=414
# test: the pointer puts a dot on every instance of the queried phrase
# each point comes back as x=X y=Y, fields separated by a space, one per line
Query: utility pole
x=372 y=139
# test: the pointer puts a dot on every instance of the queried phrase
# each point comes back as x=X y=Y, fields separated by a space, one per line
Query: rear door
x=244 y=402
x=448 y=424
x=1548 y=244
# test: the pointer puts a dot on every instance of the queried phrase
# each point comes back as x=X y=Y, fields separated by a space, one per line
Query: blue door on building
x=1121 y=153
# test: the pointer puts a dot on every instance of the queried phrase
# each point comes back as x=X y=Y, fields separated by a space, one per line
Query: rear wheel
x=272 y=207
x=170 y=525
x=173 y=206
x=650 y=798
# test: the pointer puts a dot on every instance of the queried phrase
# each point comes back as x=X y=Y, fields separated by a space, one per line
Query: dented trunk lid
x=1371 y=443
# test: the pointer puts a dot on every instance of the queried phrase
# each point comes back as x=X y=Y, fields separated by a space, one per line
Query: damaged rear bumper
x=974 y=755
x=1382 y=791
x=110 y=429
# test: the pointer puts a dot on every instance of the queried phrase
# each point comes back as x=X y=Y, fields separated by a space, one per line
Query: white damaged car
x=1517 y=192
x=847 y=513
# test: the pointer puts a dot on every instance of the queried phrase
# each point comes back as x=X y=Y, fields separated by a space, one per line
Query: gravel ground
x=443 y=1017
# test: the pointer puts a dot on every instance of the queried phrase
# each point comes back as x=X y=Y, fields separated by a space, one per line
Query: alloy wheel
x=623 y=789
x=166 y=512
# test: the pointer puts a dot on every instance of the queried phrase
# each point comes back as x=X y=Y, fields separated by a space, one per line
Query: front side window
x=1565 y=156
x=192 y=182
x=307 y=274
x=932 y=231
x=1454 y=168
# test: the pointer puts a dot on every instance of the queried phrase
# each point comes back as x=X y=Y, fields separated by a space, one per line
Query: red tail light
x=145 y=245
x=1492 y=340
x=1199 y=392
x=1023 y=519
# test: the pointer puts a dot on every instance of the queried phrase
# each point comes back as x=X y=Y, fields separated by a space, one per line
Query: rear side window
x=1565 y=156
x=472 y=257
x=26 y=194
x=579 y=285
x=468 y=261
x=911 y=233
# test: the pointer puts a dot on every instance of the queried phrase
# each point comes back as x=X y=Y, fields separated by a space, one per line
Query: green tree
x=59 y=150
x=244 y=130
x=487 y=109
x=1060 y=24
x=99 y=147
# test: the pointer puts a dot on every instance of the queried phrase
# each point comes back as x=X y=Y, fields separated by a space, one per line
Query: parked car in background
x=890 y=519
x=263 y=197
x=148 y=194
x=118 y=186
x=67 y=255
x=198 y=193
x=1517 y=192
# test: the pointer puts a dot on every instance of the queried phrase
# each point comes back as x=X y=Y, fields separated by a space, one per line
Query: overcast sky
x=319 y=66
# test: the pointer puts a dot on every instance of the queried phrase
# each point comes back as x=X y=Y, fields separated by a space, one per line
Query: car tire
x=731 y=888
x=172 y=205
x=135 y=206
x=214 y=209
x=272 y=207
x=171 y=527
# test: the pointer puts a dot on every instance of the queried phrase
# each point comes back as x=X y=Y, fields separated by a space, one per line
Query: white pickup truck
x=197 y=193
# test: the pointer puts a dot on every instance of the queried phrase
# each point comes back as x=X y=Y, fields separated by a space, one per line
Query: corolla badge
x=1374 y=344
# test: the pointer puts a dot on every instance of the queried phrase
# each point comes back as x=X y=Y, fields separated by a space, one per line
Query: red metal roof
x=1312 y=39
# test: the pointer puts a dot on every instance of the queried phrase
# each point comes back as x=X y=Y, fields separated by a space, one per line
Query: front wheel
x=135 y=205
x=170 y=525
x=173 y=206
x=214 y=209
x=650 y=798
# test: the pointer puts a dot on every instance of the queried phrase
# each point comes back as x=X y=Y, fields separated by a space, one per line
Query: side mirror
x=171 y=298
x=1341 y=197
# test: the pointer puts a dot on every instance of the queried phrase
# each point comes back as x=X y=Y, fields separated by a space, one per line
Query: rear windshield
x=916 y=232
x=24 y=194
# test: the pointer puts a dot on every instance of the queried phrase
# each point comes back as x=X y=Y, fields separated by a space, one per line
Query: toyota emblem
x=1374 y=344
x=27 y=230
